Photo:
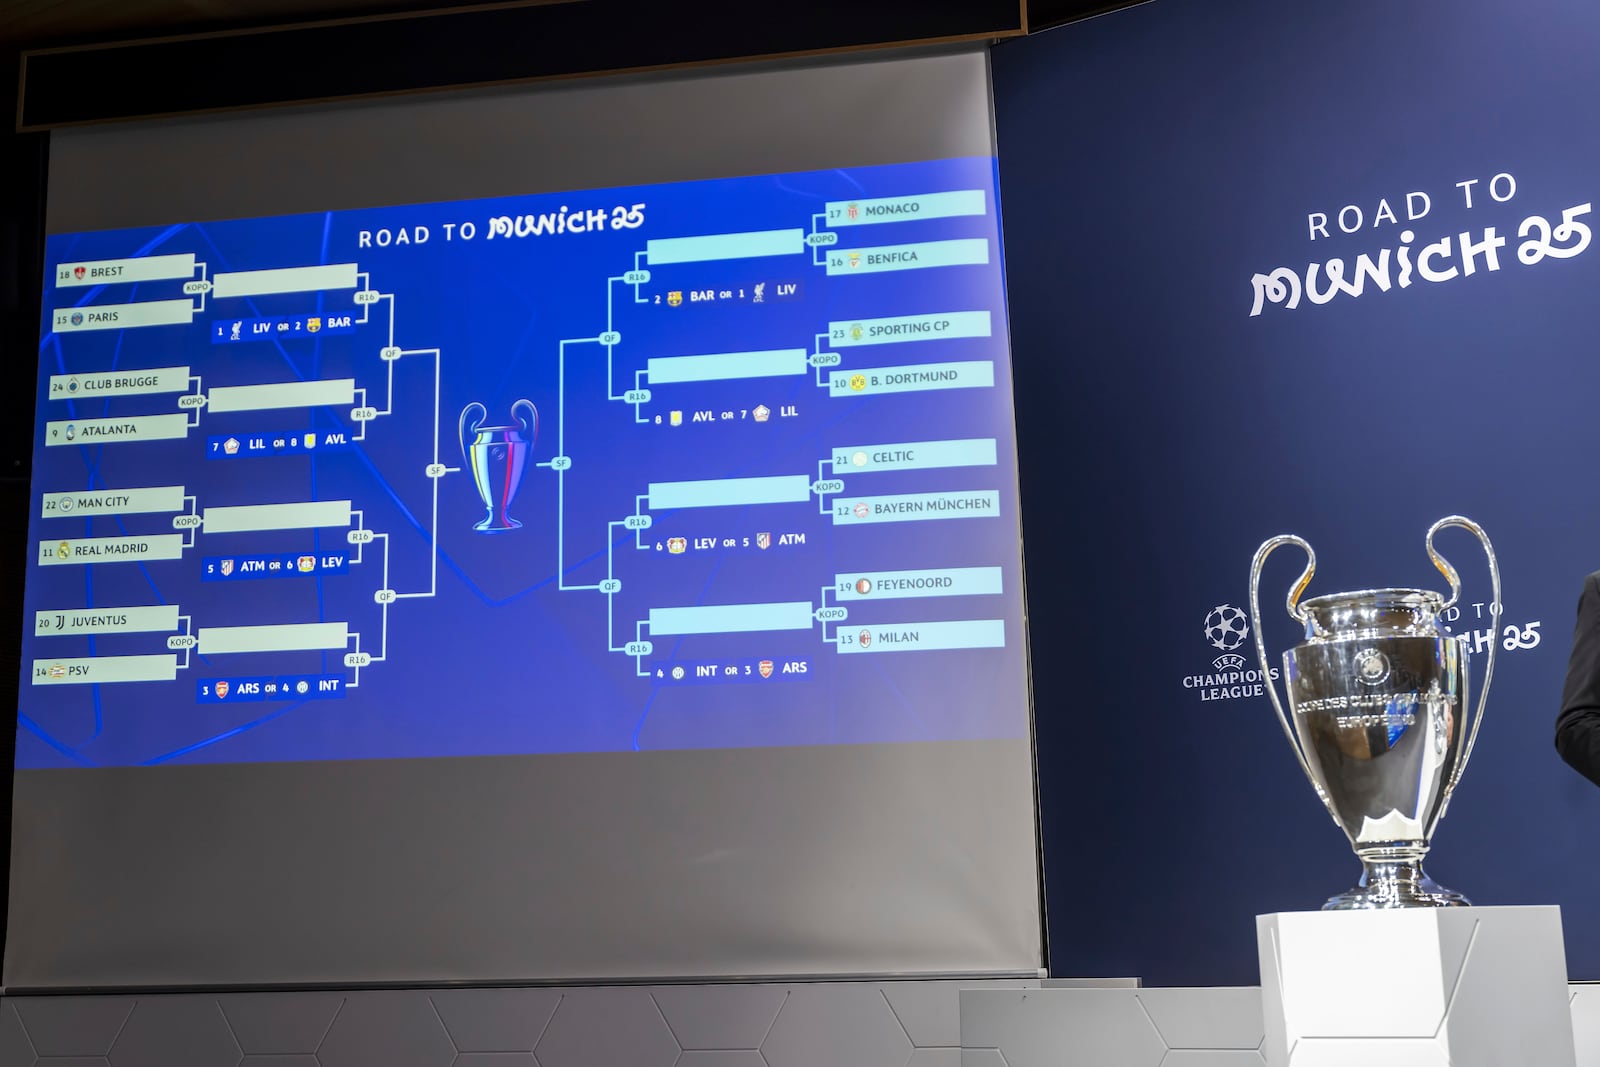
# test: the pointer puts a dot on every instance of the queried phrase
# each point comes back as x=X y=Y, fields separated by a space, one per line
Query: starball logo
x=1232 y=676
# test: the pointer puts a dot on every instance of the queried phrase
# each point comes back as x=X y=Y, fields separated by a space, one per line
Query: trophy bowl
x=1377 y=697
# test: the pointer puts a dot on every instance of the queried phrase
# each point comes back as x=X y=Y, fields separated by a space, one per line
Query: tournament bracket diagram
x=710 y=464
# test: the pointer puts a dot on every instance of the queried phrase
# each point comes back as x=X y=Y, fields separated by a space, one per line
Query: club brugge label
x=1230 y=675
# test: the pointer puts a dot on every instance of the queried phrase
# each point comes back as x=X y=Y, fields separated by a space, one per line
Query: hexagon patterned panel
x=833 y=1024
x=846 y=1024
x=1155 y=1028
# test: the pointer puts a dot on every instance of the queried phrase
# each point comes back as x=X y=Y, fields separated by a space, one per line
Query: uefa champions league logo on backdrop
x=1231 y=677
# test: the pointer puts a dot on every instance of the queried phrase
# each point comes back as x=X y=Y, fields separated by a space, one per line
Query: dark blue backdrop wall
x=1153 y=163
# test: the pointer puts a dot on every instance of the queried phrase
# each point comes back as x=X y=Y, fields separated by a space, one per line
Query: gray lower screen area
x=853 y=860
x=797 y=861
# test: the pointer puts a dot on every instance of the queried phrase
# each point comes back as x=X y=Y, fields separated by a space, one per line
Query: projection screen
x=551 y=534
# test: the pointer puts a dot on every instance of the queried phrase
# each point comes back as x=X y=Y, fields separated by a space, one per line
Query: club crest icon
x=497 y=457
x=222 y=690
x=765 y=667
x=763 y=540
x=1372 y=667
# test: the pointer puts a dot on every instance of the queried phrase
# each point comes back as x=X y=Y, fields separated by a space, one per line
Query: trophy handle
x=1494 y=645
x=464 y=425
x=530 y=425
x=1291 y=603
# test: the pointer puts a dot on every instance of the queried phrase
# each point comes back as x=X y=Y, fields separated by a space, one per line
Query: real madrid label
x=107 y=431
x=122 y=316
x=93 y=670
x=114 y=271
x=895 y=585
x=922 y=636
x=110 y=549
x=119 y=383
x=919 y=377
x=905 y=208
x=853 y=332
x=146 y=618
x=111 y=501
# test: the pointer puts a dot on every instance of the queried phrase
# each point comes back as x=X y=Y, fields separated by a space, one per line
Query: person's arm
x=1578 y=725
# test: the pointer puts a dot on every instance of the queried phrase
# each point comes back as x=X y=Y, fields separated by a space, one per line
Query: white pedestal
x=1415 y=987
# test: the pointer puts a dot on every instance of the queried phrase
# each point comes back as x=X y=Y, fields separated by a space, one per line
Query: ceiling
x=26 y=24
x=44 y=23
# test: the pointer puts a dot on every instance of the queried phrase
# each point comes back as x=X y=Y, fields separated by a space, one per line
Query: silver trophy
x=1378 y=695
x=497 y=456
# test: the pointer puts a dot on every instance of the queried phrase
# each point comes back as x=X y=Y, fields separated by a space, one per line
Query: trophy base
x=1387 y=882
x=496 y=525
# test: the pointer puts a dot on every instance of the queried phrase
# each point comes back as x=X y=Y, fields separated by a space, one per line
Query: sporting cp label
x=1232 y=676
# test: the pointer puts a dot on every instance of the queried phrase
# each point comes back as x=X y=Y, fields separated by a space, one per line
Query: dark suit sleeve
x=1578 y=725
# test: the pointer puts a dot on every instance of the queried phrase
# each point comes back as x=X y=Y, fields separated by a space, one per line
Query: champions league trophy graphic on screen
x=497 y=456
x=1378 y=693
